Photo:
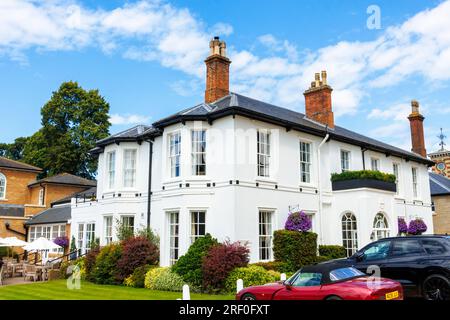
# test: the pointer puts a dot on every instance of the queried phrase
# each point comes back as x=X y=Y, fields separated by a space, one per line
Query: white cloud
x=154 y=30
x=397 y=112
x=128 y=119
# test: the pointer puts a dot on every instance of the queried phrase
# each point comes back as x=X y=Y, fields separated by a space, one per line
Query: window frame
x=415 y=182
x=350 y=217
x=307 y=162
x=265 y=245
x=111 y=170
x=380 y=217
x=174 y=157
x=173 y=238
x=127 y=217
x=133 y=170
x=195 y=153
x=41 y=197
x=375 y=162
x=195 y=225
x=3 y=193
x=348 y=160
x=263 y=152
x=108 y=236
x=397 y=176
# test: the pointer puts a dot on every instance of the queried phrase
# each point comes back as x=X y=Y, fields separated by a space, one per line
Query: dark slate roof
x=12 y=210
x=86 y=193
x=439 y=185
x=59 y=214
x=242 y=105
x=131 y=134
x=66 y=178
x=17 y=165
x=236 y=104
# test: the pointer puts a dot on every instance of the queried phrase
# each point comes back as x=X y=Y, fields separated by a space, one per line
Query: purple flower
x=298 y=221
x=62 y=241
x=402 y=226
x=417 y=227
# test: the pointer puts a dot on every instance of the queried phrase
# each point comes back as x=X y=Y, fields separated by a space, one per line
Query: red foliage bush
x=220 y=261
x=89 y=261
x=137 y=252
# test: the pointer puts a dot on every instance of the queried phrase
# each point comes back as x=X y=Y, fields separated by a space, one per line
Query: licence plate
x=391 y=295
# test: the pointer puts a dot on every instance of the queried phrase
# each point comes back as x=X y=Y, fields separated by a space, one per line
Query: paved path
x=14 y=281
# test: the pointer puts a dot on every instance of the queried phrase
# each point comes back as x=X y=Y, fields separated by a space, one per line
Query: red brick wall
x=17 y=186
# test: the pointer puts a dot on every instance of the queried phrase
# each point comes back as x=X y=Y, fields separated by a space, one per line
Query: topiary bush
x=163 y=279
x=220 y=261
x=332 y=251
x=251 y=276
x=137 y=278
x=136 y=252
x=189 y=266
x=105 y=268
x=295 y=249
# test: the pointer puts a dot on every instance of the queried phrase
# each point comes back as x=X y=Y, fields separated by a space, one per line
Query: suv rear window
x=406 y=248
x=433 y=246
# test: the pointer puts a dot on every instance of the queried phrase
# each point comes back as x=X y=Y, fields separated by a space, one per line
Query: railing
x=73 y=255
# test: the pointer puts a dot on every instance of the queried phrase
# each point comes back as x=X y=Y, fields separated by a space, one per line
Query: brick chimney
x=217 y=71
x=416 y=124
x=318 y=100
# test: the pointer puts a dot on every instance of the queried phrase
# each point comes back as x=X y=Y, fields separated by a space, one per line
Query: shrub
x=363 y=174
x=251 y=276
x=271 y=265
x=298 y=221
x=417 y=226
x=136 y=252
x=220 y=261
x=149 y=234
x=104 y=271
x=320 y=259
x=189 y=266
x=89 y=262
x=137 y=278
x=294 y=248
x=163 y=279
x=123 y=231
x=332 y=251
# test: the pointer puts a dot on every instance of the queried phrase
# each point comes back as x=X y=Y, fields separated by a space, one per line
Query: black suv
x=420 y=263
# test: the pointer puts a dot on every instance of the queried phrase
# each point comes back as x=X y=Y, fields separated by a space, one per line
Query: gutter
x=319 y=185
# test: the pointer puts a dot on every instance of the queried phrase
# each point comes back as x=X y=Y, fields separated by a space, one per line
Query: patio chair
x=19 y=269
x=29 y=271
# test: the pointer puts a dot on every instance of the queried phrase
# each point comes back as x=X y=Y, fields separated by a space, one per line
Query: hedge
x=251 y=276
x=363 y=174
x=332 y=251
x=295 y=249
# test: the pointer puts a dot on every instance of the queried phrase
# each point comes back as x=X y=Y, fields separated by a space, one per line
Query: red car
x=326 y=281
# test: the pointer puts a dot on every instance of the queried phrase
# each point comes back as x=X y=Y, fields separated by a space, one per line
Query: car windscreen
x=307 y=279
x=345 y=273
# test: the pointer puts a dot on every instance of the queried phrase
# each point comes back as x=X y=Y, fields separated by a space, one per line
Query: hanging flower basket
x=298 y=221
x=402 y=226
x=417 y=227
x=62 y=241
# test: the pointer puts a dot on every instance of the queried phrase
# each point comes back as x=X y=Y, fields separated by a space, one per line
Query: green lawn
x=57 y=290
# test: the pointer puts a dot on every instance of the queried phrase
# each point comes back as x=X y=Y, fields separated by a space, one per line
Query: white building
x=235 y=167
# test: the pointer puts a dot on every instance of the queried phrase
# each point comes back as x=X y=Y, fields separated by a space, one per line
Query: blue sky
x=146 y=58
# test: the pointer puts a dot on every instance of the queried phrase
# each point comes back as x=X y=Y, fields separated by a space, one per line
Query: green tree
x=72 y=121
x=13 y=150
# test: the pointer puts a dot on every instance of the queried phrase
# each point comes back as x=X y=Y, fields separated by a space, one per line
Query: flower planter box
x=363 y=183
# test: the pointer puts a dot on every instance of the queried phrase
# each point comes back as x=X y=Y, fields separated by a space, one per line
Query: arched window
x=2 y=186
x=349 y=233
x=380 y=227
